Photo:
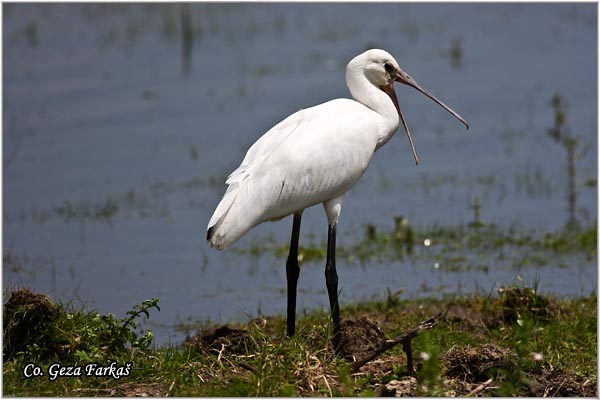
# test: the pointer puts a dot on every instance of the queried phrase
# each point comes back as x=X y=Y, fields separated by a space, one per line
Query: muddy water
x=121 y=122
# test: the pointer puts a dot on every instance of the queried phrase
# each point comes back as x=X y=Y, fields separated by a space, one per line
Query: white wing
x=312 y=156
x=254 y=158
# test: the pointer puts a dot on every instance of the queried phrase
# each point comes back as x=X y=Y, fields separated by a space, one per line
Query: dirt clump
x=360 y=336
x=27 y=320
x=223 y=338
x=517 y=302
x=475 y=364
x=468 y=367
x=558 y=383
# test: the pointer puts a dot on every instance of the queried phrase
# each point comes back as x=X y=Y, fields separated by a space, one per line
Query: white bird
x=315 y=156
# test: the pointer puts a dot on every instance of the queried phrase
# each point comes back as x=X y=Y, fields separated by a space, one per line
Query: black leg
x=331 y=279
x=292 y=270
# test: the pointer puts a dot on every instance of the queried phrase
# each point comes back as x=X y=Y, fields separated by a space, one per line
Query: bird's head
x=378 y=66
x=382 y=70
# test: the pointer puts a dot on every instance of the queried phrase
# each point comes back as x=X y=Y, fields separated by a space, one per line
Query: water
x=119 y=130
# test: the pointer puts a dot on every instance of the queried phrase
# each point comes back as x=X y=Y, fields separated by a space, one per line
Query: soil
x=558 y=383
x=475 y=364
x=518 y=301
x=360 y=336
x=223 y=338
x=470 y=371
x=26 y=320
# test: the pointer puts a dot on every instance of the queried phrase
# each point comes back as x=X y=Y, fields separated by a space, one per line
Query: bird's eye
x=389 y=68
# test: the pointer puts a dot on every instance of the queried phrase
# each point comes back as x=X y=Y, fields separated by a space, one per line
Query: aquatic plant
x=447 y=247
x=456 y=52
x=562 y=135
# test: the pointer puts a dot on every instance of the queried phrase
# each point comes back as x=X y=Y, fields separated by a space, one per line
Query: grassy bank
x=514 y=342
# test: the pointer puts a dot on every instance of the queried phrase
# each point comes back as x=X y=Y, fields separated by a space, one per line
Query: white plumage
x=310 y=157
x=315 y=156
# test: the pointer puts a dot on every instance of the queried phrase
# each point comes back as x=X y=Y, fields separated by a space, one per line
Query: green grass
x=561 y=333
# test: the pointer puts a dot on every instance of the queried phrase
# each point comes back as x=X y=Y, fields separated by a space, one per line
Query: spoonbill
x=315 y=156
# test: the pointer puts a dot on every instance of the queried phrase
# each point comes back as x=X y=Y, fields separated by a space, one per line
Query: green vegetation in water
x=443 y=243
x=194 y=152
x=151 y=200
x=516 y=343
x=85 y=210
x=456 y=52
x=571 y=143
x=531 y=181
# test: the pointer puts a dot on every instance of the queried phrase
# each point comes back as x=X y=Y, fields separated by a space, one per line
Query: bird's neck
x=363 y=91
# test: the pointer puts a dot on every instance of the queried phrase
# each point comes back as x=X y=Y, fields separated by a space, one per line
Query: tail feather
x=209 y=233
x=223 y=207
x=235 y=215
x=213 y=234
x=234 y=181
